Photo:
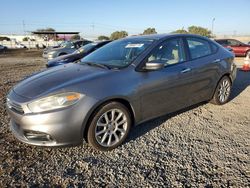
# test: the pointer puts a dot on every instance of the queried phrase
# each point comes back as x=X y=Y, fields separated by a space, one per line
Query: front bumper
x=56 y=128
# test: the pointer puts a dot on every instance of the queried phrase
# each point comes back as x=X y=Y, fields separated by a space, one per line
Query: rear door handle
x=186 y=70
x=216 y=61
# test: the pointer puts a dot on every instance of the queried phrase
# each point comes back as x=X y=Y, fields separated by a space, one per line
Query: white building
x=18 y=38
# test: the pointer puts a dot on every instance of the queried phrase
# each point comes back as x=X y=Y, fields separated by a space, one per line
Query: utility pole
x=234 y=33
x=213 y=26
x=93 y=26
x=24 y=27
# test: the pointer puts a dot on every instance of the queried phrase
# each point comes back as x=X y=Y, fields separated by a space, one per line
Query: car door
x=204 y=63
x=238 y=47
x=168 y=89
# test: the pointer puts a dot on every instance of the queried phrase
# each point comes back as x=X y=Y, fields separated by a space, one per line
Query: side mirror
x=153 y=65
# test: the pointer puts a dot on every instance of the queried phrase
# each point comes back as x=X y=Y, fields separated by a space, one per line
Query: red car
x=239 y=48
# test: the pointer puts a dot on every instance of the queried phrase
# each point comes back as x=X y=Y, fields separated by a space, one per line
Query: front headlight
x=54 y=102
x=51 y=53
x=62 y=60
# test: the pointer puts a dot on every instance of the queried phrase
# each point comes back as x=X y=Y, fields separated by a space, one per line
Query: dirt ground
x=202 y=146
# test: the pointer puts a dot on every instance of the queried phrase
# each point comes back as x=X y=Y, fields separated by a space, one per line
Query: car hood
x=56 y=79
x=51 y=47
x=67 y=57
x=54 y=49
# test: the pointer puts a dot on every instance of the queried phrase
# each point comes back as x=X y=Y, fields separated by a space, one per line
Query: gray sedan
x=122 y=84
x=64 y=48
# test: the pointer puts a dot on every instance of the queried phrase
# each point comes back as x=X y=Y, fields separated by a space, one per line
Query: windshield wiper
x=97 y=65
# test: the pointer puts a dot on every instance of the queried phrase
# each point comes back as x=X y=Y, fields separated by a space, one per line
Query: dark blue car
x=78 y=54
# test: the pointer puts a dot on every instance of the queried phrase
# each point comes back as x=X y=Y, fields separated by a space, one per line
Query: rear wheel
x=222 y=92
x=109 y=127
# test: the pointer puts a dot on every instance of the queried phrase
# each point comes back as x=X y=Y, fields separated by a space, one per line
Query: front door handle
x=216 y=61
x=186 y=70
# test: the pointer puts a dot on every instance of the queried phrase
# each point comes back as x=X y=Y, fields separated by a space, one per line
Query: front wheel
x=109 y=127
x=222 y=92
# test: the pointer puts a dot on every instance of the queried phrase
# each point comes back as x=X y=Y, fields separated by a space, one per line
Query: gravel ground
x=202 y=146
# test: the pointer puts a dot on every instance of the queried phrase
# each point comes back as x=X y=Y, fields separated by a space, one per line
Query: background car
x=64 y=48
x=3 y=48
x=239 y=48
x=20 y=45
x=78 y=54
x=124 y=83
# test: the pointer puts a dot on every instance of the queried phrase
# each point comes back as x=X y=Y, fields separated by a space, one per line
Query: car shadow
x=142 y=128
x=241 y=83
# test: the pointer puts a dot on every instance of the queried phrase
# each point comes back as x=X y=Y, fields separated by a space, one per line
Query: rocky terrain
x=202 y=146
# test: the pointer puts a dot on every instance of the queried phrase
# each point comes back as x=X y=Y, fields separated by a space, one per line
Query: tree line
x=121 y=34
x=191 y=30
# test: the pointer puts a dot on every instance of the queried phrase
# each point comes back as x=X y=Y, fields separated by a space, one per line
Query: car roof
x=74 y=41
x=162 y=36
x=101 y=41
x=224 y=39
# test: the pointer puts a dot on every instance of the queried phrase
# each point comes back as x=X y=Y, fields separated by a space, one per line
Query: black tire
x=217 y=99
x=92 y=137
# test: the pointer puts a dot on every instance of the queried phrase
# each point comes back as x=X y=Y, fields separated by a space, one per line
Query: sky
x=102 y=17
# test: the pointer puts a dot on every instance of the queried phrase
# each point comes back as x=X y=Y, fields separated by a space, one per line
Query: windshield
x=119 y=53
x=85 y=48
x=65 y=44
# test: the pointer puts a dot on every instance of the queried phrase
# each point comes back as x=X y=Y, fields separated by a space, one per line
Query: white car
x=19 y=45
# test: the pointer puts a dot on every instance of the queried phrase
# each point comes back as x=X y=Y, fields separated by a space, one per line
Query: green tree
x=4 y=38
x=149 y=31
x=75 y=37
x=180 y=31
x=200 y=31
x=195 y=30
x=118 y=35
x=26 y=39
x=102 y=37
x=47 y=36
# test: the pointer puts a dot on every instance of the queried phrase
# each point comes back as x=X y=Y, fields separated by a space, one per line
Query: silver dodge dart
x=122 y=84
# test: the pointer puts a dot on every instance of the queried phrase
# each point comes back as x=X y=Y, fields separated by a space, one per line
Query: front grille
x=14 y=106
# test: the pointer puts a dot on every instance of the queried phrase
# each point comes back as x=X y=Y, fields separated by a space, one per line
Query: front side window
x=169 y=52
x=118 y=54
x=198 y=47
x=66 y=44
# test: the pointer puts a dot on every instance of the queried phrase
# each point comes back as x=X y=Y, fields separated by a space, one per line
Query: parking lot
x=202 y=146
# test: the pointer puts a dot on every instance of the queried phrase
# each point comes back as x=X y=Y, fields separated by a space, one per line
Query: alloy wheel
x=111 y=127
x=224 y=90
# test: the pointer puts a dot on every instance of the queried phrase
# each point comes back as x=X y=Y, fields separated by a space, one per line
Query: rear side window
x=214 y=47
x=198 y=47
